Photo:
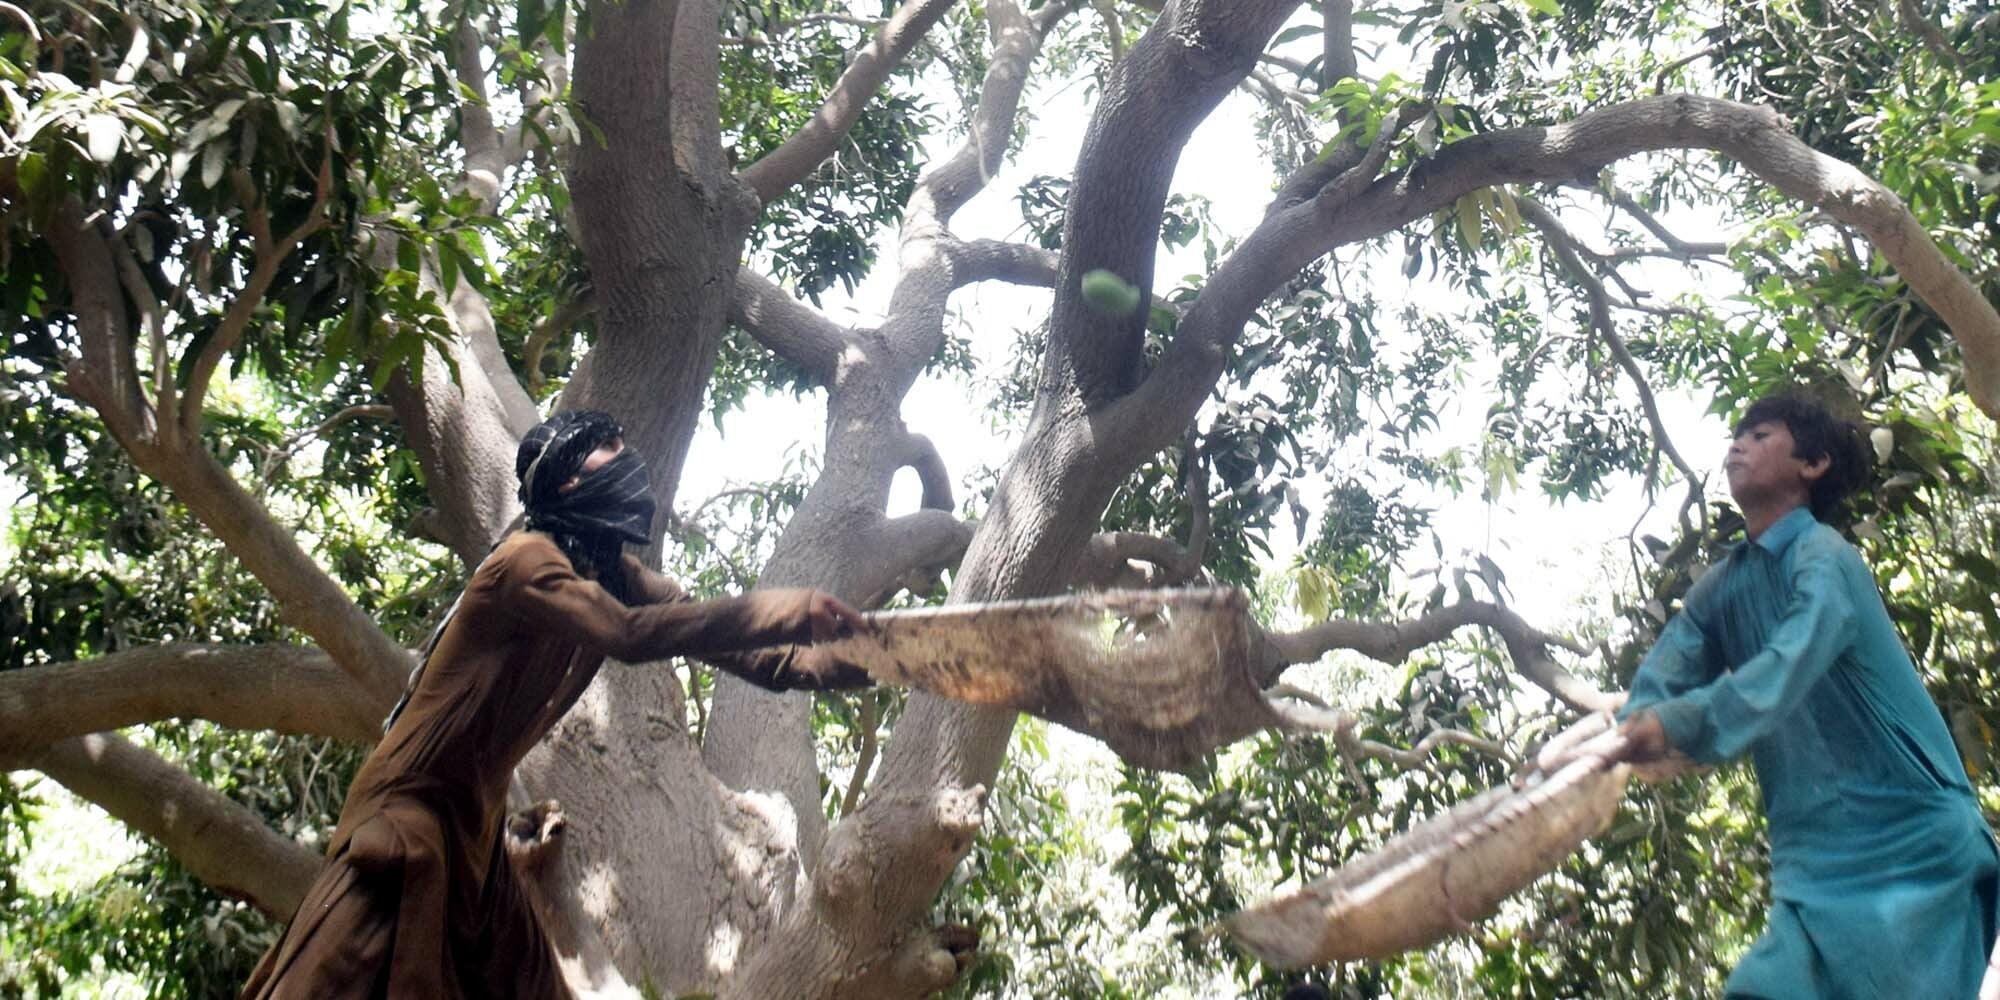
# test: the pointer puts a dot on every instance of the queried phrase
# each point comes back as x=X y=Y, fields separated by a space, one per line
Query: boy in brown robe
x=418 y=897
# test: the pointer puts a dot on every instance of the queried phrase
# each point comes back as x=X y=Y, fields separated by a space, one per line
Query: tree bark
x=882 y=866
x=289 y=689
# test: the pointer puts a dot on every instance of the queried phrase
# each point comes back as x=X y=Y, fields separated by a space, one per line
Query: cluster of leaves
x=1018 y=887
x=822 y=232
x=74 y=591
x=188 y=131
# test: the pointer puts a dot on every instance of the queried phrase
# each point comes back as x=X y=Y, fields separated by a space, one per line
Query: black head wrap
x=609 y=506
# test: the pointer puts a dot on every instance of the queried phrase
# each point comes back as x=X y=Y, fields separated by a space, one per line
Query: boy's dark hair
x=1817 y=433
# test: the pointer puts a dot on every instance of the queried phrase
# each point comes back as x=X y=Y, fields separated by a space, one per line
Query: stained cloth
x=1883 y=872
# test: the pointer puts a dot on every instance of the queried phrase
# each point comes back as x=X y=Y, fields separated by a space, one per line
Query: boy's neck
x=1757 y=518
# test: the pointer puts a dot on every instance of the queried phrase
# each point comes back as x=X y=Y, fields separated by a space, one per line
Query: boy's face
x=1762 y=467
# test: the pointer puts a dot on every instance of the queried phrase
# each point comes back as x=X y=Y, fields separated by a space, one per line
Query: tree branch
x=908 y=553
x=104 y=372
x=780 y=169
x=150 y=314
x=1171 y=80
x=1107 y=561
x=1675 y=246
x=1002 y=260
x=946 y=186
x=1566 y=247
x=284 y=452
x=104 y=378
x=922 y=456
x=1353 y=748
x=782 y=323
x=694 y=65
x=1337 y=39
x=1393 y=642
x=560 y=322
x=1915 y=22
x=1756 y=137
x=864 y=761
x=220 y=842
x=289 y=689
x=270 y=255
x=487 y=155
x=1194 y=485
x=1660 y=78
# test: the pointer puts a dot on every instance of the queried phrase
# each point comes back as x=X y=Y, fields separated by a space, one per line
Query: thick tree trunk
x=882 y=866
x=670 y=865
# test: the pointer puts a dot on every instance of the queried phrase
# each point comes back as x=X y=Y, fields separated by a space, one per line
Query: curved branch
x=1757 y=137
x=946 y=187
x=1660 y=78
x=291 y=445
x=1170 y=81
x=1675 y=246
x=1393 y=642
x=1354 y=748
x=34 y=32
x=1338 y=173
x=220 y=842
x=1566 y=248
x=1107 y=561
x=290 y=689
x=1001 y=260
x=270 y=254
x=782 y=323
x=557 y=323
x=922 y=456
x=909 y=552
x=797 y=156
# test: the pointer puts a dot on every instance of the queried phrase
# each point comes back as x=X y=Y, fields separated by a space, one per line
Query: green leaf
x=1468 y=220
x=1549 y=7
x=448 y=270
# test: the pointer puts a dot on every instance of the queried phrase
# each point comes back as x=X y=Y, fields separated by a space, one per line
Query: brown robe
x=418 y=898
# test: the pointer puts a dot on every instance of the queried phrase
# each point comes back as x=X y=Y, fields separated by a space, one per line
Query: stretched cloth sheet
x=1161 y=677
x=1436 y=879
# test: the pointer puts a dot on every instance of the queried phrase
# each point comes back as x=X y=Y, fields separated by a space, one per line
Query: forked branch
x=795 y=158
x=1393 y=642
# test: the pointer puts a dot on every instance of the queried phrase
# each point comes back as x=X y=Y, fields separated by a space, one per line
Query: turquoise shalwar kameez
x=1883 y=873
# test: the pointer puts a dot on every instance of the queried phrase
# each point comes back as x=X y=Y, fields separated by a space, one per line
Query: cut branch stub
x=1162 y=677
x=1447 y=872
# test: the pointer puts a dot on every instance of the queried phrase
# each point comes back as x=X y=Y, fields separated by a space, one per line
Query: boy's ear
x=1815 y=468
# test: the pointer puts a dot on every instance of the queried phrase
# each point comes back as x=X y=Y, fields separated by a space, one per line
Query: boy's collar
x=1784 y=530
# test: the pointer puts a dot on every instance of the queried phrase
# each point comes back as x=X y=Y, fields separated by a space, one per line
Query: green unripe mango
x=1108 y=293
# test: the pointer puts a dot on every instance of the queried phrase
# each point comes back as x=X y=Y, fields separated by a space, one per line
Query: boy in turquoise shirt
x=1884 y=876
